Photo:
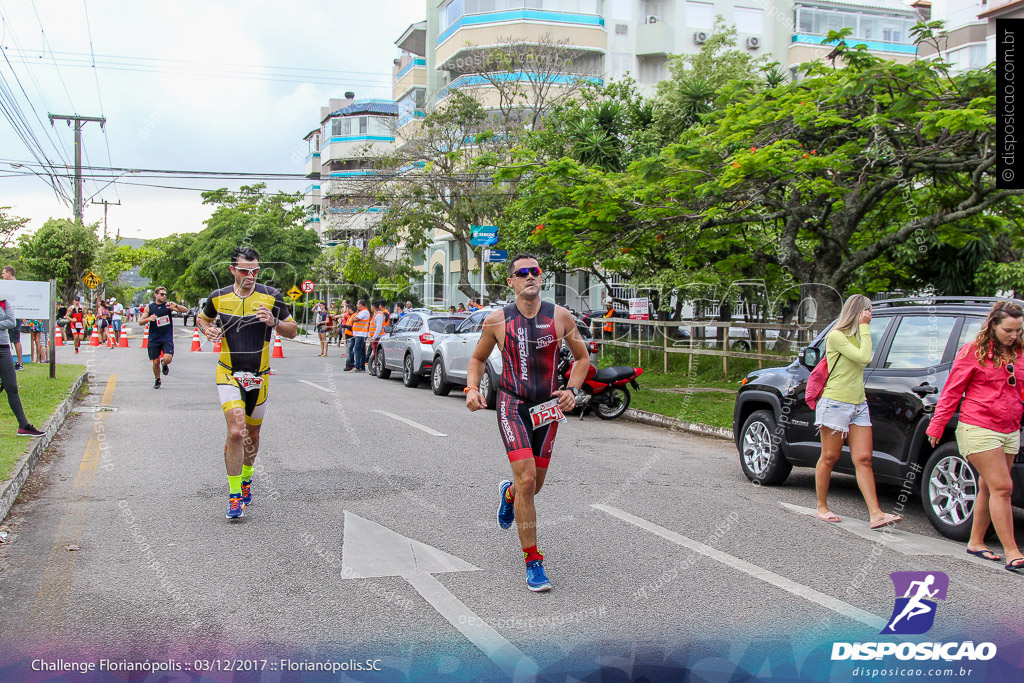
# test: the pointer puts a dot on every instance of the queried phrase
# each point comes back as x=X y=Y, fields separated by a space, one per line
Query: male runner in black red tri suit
x=529 y=333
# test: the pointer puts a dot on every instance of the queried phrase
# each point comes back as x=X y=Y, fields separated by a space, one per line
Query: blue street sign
x=495 y=255
x=483 y=235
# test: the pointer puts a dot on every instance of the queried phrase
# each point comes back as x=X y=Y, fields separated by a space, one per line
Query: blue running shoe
x=506 y=510
x=235 y=506
x=536 y=579
x=246 y=492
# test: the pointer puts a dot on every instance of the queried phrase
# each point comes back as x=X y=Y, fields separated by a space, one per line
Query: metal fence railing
x=774 y=342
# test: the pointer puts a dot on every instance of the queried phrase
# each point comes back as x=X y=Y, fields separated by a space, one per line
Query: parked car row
x=914 y=344
x=439 y=346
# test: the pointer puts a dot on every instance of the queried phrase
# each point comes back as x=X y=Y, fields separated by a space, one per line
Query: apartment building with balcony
x=342 y=156
x=883 y=26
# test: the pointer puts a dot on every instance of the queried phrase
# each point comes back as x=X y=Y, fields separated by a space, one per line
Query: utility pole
x=107 y=205
x=79 y=122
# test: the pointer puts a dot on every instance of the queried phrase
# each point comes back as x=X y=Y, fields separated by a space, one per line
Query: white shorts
x=838 y=416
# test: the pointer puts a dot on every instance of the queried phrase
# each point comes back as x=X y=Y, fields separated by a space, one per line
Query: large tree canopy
x=63 y=250
x=818 y=178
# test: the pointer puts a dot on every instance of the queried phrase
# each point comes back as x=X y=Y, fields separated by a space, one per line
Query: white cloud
x=192 y=118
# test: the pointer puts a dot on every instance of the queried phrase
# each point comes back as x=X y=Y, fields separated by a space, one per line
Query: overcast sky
x=184 y=85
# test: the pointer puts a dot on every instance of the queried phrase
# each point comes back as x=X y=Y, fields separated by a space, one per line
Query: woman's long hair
x=849 y=318
x=986 y=342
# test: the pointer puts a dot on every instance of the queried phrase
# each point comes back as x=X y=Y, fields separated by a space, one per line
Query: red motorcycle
x=606 y=389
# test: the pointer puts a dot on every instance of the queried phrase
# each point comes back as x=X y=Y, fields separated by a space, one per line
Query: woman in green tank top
x=842 y=413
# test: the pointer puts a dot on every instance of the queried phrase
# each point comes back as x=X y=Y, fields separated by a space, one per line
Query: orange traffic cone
x=216 y=346
x=123 y=344
x=94 y=340
x=278 y=347
x=145 y=338
x=58 y=337
x=196 y=344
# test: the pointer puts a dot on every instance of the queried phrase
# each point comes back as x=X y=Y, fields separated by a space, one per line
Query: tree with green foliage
x=111 y=261
x=269 y=223
x=63 y=250
x=165 y=261
x=446 y=192
x=809 y=181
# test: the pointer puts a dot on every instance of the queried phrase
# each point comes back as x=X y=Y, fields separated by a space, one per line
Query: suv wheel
x=382 y=370
x=437 y=382
x=761 y=460
x=409 y=376
x=949 y=486
x=487 y=389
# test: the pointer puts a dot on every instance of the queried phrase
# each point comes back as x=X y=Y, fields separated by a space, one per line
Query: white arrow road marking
x=329 y=391
x=370 y=549
x=901 y=541
x=788 y=585
x=417 y=425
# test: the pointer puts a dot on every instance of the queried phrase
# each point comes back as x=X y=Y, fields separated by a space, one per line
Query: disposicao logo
x=913 y=613
x=916 y=593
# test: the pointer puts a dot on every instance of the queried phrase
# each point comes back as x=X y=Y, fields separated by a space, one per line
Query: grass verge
x=40 y=397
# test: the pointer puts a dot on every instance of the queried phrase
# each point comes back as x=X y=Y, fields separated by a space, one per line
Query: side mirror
x=810 y=356
x=449 y=328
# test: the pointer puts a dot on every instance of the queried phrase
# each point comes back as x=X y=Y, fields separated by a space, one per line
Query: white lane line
x=417 y=425
x=769 y=577
x=329 y=391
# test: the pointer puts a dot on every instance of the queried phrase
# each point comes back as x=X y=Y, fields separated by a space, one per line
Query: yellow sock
x=235 y=484
x=247 y=473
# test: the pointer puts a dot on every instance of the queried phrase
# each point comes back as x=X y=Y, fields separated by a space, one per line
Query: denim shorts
x=838 y=416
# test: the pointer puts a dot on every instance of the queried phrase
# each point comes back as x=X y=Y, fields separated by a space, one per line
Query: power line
x=280 y=74
x=99 y=97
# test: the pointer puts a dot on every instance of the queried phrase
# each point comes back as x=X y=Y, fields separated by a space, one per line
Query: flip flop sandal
x=888 y=520
x=985 y=554
x=1016 y=566
x=830 y=517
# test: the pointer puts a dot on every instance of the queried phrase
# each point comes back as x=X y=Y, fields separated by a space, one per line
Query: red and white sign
x=639 y=309
x=307 y=286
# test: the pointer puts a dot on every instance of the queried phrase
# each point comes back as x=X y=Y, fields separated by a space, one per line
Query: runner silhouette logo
x=916 y=593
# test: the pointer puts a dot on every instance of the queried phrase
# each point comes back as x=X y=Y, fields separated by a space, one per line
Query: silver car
x=409 y=345
x=453 y=351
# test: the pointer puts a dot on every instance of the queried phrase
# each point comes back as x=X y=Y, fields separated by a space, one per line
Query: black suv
x=914 y=342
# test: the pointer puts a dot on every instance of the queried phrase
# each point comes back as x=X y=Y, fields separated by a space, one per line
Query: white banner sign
x=638 y=309
x=30 y=299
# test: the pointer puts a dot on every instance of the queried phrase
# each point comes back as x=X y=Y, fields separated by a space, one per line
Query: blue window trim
x=366 y=209
x=519 y=15
x=356 y=138
x=349 y=174
x=409 y=67
x=313 y=155
x=873 y=45
x=410 y=116
x=470 y=81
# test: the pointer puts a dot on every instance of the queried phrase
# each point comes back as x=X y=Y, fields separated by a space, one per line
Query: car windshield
x=438 y=324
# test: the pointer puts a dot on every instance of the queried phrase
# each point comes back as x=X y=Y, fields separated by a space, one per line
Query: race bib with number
x=163 y=320
x=248 y=381
x=546 y=413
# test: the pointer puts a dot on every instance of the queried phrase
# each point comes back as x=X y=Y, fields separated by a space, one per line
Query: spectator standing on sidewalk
x=842 y=412
x=15 y=332
x=346 y=333
x=985 y=383
x=378 y=325
x=320 y=318
x=360 y=333
x=7 y=376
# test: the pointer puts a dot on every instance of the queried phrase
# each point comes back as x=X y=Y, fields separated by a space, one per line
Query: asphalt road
x=373 y=542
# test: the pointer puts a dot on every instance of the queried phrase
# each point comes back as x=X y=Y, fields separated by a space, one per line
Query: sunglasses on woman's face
x=523 y=272
x=1012 y=379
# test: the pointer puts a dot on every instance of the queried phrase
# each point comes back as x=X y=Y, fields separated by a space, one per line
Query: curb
x=11 y=488
x=665 y=422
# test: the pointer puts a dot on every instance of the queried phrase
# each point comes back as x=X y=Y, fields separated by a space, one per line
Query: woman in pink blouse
x=988 y=374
